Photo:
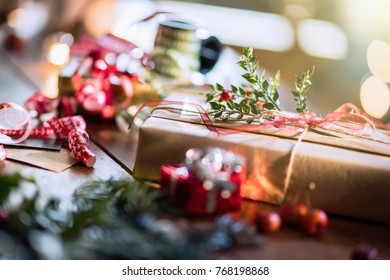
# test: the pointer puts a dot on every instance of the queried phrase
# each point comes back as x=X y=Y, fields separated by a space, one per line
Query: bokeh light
x=378 y=59
x=322 y=39
x=58 y=54
x=375 y=97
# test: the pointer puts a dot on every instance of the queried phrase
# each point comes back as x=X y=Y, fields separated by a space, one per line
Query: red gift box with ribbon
x=209 y=182
x=98 y=84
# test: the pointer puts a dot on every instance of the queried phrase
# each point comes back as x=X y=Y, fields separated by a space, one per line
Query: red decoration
x=291 y=213
x=94 y=90
x=63 y=126
x=268 y=222
x=314 y=222
x=15 y=117
x=204 y=185
x=38 y=132
x=226 y=95
x=184 y=189
x=73 y=128
x=91 y=95
x=2 y=153
x=67 y=106
x=40 y=103
x=78 y=143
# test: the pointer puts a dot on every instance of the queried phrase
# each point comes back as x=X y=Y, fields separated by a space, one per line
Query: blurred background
x=347 y=40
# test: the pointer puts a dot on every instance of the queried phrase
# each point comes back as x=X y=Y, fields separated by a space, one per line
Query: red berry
x=225 y=95
x=291 y=213
x=314 y=222
x=267 y=222
x=364 y=252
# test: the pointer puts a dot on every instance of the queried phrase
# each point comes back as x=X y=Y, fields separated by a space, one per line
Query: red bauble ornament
x=226 y=95
x=364 y=252
x=267 y=222
x=291 y=213
x=314 y=222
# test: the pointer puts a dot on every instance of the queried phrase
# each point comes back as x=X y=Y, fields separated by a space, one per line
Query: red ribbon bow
x=96 y=93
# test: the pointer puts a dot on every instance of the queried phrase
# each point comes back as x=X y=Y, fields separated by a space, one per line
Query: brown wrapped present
x=351 y=174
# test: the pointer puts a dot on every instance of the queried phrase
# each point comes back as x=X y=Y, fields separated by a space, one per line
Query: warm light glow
x=50 y=84
x=297 y=11
x=99 y=17
x=58 y=54
x=375 y=97
x=363 y=18
x=129 y=12
x=322 y=39
x=378 y=59
x=108 y=112
x=29 y=19
x=14 y=17
x=57 y=37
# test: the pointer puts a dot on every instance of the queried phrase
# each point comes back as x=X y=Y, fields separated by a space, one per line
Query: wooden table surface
x=20 y=77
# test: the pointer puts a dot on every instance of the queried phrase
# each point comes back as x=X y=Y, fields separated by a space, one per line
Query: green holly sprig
x=248 y=101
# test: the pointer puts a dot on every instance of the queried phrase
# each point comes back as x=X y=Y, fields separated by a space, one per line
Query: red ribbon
x=37 y=132
x=108 y=43
x=310 y=120
x=40 y=103
x=15 y=117
x=73 y=128
x=96 y=94
x=347 y=118
x=78 y=144
x=63 y=126
x=202 y=113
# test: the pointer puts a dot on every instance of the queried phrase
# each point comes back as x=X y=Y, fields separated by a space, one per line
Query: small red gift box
x=195 y=192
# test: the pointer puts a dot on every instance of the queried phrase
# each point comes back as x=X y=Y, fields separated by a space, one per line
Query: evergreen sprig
x=262 y=88
x=302 y=85
x=260 y=93
x=8 y=182
x=109 y=219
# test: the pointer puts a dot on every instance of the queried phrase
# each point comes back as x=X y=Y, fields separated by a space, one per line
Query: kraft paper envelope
x=56 y=161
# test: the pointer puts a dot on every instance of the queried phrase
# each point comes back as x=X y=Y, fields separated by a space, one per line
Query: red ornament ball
x=226 y=95
x=292 y=213
x=364 y=252
x=314 y=222
x=267 y=222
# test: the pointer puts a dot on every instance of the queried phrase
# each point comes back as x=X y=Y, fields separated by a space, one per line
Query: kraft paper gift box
x=352 y=175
